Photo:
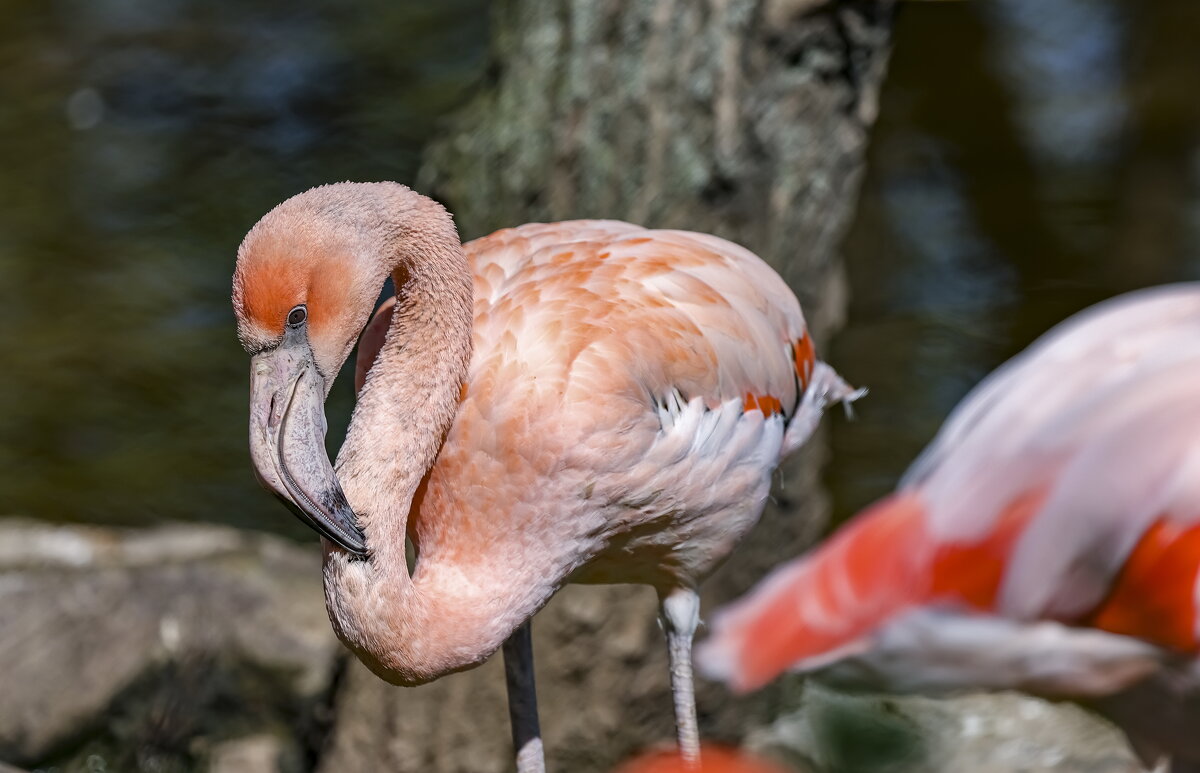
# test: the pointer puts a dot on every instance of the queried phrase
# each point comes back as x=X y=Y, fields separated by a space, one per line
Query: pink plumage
x=586 y=401
x=1065 y=488
x=617 y=377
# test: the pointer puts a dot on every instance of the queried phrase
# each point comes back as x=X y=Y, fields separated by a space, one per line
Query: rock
x=192 y=648
x=255 y=754
x=981 y=733
x=457 y=723
x=138 y=647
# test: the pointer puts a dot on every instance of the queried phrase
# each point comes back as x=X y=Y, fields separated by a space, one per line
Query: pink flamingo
x=716 y=760
x=571 y=402
x=1047 y=540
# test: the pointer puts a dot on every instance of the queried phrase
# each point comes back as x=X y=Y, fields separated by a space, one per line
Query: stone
x=125 y=643
x=254 y=754
x=983 y=733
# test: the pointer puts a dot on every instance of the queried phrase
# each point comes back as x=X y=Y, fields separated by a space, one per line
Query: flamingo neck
x=404 y=410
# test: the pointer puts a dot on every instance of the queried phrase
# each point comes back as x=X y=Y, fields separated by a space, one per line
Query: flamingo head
x=306 y=279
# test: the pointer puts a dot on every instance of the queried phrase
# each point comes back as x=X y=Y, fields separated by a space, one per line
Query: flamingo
x=1047 y=540
x=586 y=401
x=717 y=759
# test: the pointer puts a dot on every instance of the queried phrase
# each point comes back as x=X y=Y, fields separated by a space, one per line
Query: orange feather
x=714 y=759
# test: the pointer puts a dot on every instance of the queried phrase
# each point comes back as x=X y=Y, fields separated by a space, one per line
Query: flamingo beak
x=287 y=441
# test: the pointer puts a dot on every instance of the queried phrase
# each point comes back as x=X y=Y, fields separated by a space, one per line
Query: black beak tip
x=347 y=535
x=344 y=530
x=339 y=524
x=357 y=548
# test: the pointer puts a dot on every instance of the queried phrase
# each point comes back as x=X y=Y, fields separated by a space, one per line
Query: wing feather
x=1102 y=414
x=609 y=307
x=1065 y=486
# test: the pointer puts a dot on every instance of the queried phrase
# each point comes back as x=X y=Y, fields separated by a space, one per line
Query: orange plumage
x=1048 y=539
x=715 y=759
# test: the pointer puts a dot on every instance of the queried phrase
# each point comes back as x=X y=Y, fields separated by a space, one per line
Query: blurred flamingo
x=716 y=759
x=1047 y=540
x=584 y=402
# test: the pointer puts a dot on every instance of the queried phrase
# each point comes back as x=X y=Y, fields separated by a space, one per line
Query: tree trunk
x=744 y=118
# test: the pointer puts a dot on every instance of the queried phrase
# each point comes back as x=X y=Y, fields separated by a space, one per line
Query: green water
x=141 y=138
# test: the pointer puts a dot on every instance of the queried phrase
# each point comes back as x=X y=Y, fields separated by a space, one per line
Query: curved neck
x=404 y=410
x=410 y=395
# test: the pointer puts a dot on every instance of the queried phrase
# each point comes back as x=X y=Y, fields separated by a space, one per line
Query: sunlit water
x=1015 y=176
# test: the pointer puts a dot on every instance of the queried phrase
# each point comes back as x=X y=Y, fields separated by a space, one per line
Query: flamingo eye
x=297 y=316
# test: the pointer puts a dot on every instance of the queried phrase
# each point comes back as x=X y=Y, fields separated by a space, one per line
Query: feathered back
x=598 y=308
x=678 y=310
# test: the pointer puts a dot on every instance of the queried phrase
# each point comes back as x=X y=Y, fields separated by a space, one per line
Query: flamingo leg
x=522 y=701
x=680 y=614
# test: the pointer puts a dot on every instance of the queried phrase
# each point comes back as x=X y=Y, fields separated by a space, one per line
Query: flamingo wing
x=1066 y=486
x=658 y=317
x=1098 y=419
x=673 y=314
x=604 y=307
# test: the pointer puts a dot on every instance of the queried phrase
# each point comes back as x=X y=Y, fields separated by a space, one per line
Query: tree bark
x=744 y=118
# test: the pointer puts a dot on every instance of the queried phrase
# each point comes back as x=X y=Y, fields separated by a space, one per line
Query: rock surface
x=983 y=733
x=207 y=649
x=139 y=648
x=253 y=754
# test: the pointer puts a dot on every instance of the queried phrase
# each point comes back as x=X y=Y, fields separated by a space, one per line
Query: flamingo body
x=630 y=393
x=585 y=401
x=1065 y=488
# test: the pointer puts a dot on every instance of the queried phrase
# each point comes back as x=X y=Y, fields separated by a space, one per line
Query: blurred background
x=1029 y=159
x=141 y=140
